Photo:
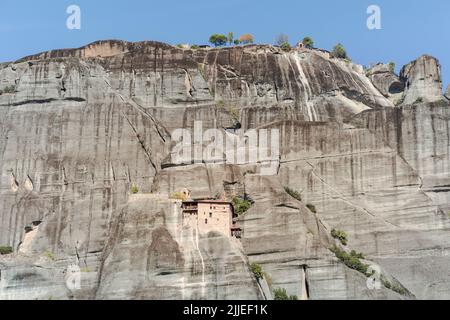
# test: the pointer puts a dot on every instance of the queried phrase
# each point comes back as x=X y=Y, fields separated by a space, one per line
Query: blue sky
x=409 y=27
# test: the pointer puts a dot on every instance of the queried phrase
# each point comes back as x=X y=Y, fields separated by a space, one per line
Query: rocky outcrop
x=84 y=126
x=447 y=92
x=422 y=79
x=385 y=80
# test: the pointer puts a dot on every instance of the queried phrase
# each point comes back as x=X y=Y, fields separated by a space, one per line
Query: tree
x=230 y=38
x=308 y=42
x=339 y=52
x=281 y=39
x=281 y=294
x=246 y=38
x=236 y=41
x=218 y=39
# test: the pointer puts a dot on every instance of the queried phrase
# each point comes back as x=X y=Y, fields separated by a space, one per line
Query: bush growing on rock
x=241 y=205
x=294 y=194
x=286 y=47
x=257 y=271
x=340 y=235
x=351 y=260
x=4 y=250
x=311 y=208
x=134 y=189
x=8 y=90
x=281 y=294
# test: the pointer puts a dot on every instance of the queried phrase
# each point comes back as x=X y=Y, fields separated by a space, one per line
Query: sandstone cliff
x=367 y=150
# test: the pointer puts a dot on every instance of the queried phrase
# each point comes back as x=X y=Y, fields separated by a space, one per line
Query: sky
x=409 y=28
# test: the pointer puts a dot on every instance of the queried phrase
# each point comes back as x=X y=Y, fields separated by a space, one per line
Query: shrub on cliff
x=4 y=250
x=281 y=294
x=294 y=194
x=241 y=205
x=351 y=260
x=134 y=189
x=286 y=47
x=8 y=89
x=257 y=271
x=311 y=208
x=340 y=235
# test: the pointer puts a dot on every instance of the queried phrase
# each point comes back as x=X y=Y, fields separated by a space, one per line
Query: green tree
x=236 y=41
x=218 y=39
x=308 y=42
x=339 y=52
x=230 y=38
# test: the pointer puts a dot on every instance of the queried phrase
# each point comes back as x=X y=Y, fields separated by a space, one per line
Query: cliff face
x=369 y=150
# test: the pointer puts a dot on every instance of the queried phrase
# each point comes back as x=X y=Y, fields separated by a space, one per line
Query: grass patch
x=311 y=208
x=281 y=294
x=294 y=194
x=340 y=235
x=4 y=250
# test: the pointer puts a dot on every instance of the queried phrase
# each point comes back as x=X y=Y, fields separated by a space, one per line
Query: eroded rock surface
x=84 y=126
x=422 y=79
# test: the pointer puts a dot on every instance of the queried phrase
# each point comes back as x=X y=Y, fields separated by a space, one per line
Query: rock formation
x=82 y=127
x=422 y=79
x=385 y=80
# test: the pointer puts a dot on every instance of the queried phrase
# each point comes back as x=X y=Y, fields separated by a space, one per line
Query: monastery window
x=206 y=221
x=210 y=214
